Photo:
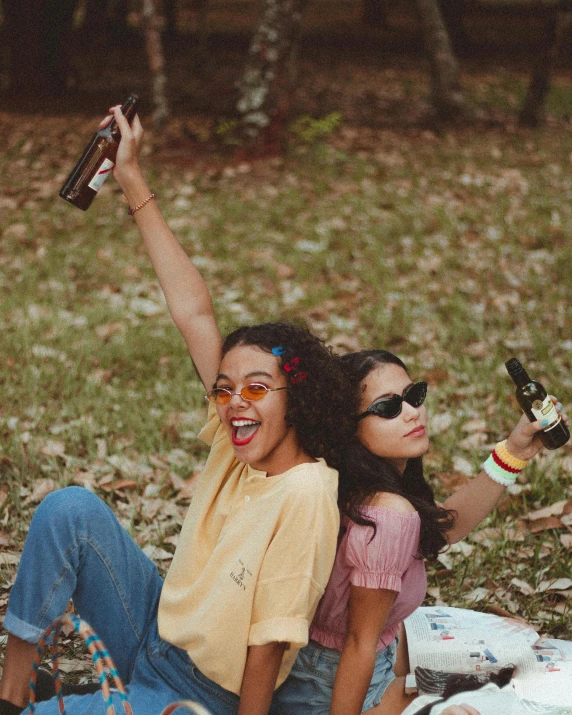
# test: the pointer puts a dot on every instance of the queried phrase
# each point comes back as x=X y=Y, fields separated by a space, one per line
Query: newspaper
x=456 y=640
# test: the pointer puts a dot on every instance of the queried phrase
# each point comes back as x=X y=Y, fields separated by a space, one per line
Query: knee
x=71 y=503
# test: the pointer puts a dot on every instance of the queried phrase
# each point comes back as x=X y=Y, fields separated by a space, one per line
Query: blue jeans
x=309 y=687
x=77 y=549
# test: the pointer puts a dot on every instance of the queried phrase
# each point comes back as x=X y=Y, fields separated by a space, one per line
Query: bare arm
x=259 y=680
x=368 y=612
x=478 y=498
x=185 y=290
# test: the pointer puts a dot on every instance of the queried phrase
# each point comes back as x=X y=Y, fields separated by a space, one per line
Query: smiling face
x=259 y=433
x=402 y=437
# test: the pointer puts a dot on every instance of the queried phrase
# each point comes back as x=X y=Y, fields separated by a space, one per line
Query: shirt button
x=247 y=498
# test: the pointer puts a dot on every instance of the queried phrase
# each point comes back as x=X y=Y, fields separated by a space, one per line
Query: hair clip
x=291 y=365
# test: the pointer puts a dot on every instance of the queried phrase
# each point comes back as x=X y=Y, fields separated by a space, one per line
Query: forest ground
x=451 y=248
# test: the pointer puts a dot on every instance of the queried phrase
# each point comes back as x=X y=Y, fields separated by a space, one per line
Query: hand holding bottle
x=126 y=165
x=524 y=441
x=537 y=405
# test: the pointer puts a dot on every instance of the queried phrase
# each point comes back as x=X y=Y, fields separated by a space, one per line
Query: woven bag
x=103 y=663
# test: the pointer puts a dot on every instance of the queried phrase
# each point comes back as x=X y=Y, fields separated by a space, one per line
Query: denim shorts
x=309 y=687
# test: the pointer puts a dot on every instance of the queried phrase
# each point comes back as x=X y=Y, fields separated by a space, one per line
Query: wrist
x=130 y=178
x=515 y=451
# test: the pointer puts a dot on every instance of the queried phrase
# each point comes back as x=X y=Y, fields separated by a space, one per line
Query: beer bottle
x=97 y=161
x=537 y=405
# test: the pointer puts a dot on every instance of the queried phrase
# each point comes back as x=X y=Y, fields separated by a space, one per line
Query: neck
x=399 y=464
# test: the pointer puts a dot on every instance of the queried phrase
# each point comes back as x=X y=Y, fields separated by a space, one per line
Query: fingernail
x=544 y=423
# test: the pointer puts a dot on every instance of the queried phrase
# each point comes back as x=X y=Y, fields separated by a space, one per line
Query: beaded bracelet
x=140 y=206
x=502 y=466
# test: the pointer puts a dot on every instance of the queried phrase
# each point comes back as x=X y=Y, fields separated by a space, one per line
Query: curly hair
x=363 y=473
x=318 y=406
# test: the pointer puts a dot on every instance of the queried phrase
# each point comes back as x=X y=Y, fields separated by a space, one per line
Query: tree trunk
x=156 y=58
x=447 y=97
x=453 y=13
x=532 y=113
x=265 y=86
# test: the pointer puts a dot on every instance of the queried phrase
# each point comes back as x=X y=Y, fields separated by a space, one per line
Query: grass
x=452 y=250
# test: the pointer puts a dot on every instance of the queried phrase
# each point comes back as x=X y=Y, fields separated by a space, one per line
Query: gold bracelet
x=140 y=206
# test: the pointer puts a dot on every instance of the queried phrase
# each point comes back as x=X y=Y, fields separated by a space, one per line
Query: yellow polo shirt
x=252 y=562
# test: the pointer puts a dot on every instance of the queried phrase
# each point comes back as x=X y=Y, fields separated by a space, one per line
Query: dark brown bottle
x=537 y=405
x=97 y=161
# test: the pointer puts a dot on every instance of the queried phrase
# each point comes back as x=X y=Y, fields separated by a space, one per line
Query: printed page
x=548 y=679
x=465 y=641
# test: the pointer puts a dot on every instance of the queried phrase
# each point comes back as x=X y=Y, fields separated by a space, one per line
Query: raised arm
x=185 y=290
x=478 y=498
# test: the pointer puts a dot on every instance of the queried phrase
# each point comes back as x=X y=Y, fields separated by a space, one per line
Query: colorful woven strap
x=101 y=659
x=508 y=458
x=503 y=467
x=193 y=707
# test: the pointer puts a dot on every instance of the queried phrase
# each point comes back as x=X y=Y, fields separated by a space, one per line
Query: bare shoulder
x=395 y=502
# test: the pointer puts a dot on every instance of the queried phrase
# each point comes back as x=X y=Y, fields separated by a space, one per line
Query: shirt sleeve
x=296 y=567
x=211 y=431
x=381 y=561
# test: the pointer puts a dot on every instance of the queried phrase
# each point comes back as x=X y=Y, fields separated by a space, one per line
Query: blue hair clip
x=278 y=350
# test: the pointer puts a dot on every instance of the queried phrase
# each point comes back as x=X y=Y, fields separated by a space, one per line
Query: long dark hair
x=318 y=393
x=363 y=473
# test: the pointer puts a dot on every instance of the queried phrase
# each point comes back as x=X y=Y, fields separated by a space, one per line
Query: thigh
x=76 y=548
x=382 y=677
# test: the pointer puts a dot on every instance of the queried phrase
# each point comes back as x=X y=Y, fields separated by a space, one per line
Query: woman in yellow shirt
x=257 y=545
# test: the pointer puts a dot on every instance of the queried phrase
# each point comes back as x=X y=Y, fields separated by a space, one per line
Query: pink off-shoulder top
x=390 y=560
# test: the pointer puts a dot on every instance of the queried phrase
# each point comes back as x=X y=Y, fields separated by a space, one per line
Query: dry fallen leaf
x=41 y=488
x=561 y=507
x=109 y=484
x=546 y=523
x=522 y=586
x=559 y=584
x=477 y=594
x=9 y=558
x=156 y=553
x=53 y=448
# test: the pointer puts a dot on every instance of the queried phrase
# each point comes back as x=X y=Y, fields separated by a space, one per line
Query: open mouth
x=243 y=431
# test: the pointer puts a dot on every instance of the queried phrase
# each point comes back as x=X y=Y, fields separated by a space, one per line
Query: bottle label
x=545 y=410
x=102 y=173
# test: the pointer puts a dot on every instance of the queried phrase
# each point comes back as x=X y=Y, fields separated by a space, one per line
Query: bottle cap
x=514 y=367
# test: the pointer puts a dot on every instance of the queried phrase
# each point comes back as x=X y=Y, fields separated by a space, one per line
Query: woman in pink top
x=390 y=523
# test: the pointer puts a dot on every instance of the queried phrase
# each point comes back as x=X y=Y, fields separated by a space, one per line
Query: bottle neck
x=129 y=109
x=520 y=378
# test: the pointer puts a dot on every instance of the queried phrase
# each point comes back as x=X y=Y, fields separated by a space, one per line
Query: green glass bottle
x=537 y=405
x=97 y=161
